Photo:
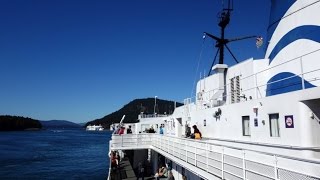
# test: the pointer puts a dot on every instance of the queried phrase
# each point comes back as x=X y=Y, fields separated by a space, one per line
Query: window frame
x=244 y=119
x=274 y=125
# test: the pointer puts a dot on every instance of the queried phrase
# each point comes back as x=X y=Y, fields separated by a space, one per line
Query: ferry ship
x=94 y=128
x=260 y=118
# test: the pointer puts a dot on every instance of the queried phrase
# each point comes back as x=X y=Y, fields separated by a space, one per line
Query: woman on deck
x=196 y=133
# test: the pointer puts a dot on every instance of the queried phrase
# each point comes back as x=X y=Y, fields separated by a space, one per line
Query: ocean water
x=54 y=154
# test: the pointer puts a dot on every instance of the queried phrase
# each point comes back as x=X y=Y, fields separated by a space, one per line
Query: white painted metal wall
x=305 y=133
x=301 y=13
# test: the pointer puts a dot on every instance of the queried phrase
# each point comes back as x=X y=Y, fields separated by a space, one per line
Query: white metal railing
x=223 y=161
x=109 y=172
x=152 y=115
x=312 y=74
x=140 y=141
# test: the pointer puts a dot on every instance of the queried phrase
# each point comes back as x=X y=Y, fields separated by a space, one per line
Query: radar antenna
x=221 y=43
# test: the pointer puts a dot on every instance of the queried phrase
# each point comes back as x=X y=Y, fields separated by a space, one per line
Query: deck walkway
x=215 y=160
x=123 y=172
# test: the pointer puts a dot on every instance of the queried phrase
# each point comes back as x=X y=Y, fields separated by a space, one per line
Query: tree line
x=18 y=123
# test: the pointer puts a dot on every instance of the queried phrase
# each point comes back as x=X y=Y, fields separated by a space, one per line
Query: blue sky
x=79 y=60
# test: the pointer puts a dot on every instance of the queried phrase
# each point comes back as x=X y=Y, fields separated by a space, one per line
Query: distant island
x=59 y=124
x=134 y=108
x=18 y=123
x=131 y=110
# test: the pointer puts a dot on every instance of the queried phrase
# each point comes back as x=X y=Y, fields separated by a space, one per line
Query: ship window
x=274 y=125
x=246 y=126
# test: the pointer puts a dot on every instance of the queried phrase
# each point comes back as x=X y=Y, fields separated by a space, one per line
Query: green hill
x=18 y=123
x=133 y=109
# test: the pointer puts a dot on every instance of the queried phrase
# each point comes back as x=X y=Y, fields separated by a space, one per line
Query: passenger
x=188 y=130
x=129 y=131
x=151 y=130
x=169 y=165
x=118 y=158
x=117 y=130
x=121 y=131
x=161 y=129
x=162 y=173
x=141 y=171
x=170 y=176
x=196 y=133
x=114 y=161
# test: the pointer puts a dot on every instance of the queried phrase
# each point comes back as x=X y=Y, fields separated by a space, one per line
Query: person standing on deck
x=187 y=130
x=161 y=129
x=129 y=131
x=121 y=131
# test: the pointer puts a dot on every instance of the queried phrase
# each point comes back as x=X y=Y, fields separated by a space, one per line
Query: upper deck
x=214 y=161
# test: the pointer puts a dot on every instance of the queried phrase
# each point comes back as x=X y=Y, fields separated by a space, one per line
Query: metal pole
x=207 y=157
x=222 y=164
x=155 y=103
x=244 y=164
x=275 y=167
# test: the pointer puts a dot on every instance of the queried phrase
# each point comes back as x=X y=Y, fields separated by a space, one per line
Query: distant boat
x=94 y=128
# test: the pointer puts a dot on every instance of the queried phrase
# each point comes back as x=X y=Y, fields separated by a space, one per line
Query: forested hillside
x=134 y=108
x=18 y=123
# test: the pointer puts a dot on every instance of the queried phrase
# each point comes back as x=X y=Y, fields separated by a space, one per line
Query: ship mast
x=221 y=43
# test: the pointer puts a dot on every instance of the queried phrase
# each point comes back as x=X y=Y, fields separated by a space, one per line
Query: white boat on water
x=260 y=119
x=94 y=128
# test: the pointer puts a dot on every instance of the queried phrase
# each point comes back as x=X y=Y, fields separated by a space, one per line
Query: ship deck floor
x=123 y=172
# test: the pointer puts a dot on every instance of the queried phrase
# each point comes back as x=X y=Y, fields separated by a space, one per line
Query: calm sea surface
x=54 y=154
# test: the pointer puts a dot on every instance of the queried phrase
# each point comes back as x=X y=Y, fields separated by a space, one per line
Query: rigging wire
x=199 y=59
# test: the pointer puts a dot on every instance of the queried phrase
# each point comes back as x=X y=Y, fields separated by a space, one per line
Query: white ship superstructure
x=259 y=118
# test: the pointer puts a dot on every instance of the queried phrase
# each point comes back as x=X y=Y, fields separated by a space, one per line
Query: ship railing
x=137 y=141
x=304 y=68
x=254 y=86
x=141 y=116
x=226 y=162
x=109 y=172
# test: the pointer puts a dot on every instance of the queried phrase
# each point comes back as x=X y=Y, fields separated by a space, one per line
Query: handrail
x=109 y=173
x=233 y=147
x=153 y=115
x=267 y=144
x=246 y=149
x=197 y=152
